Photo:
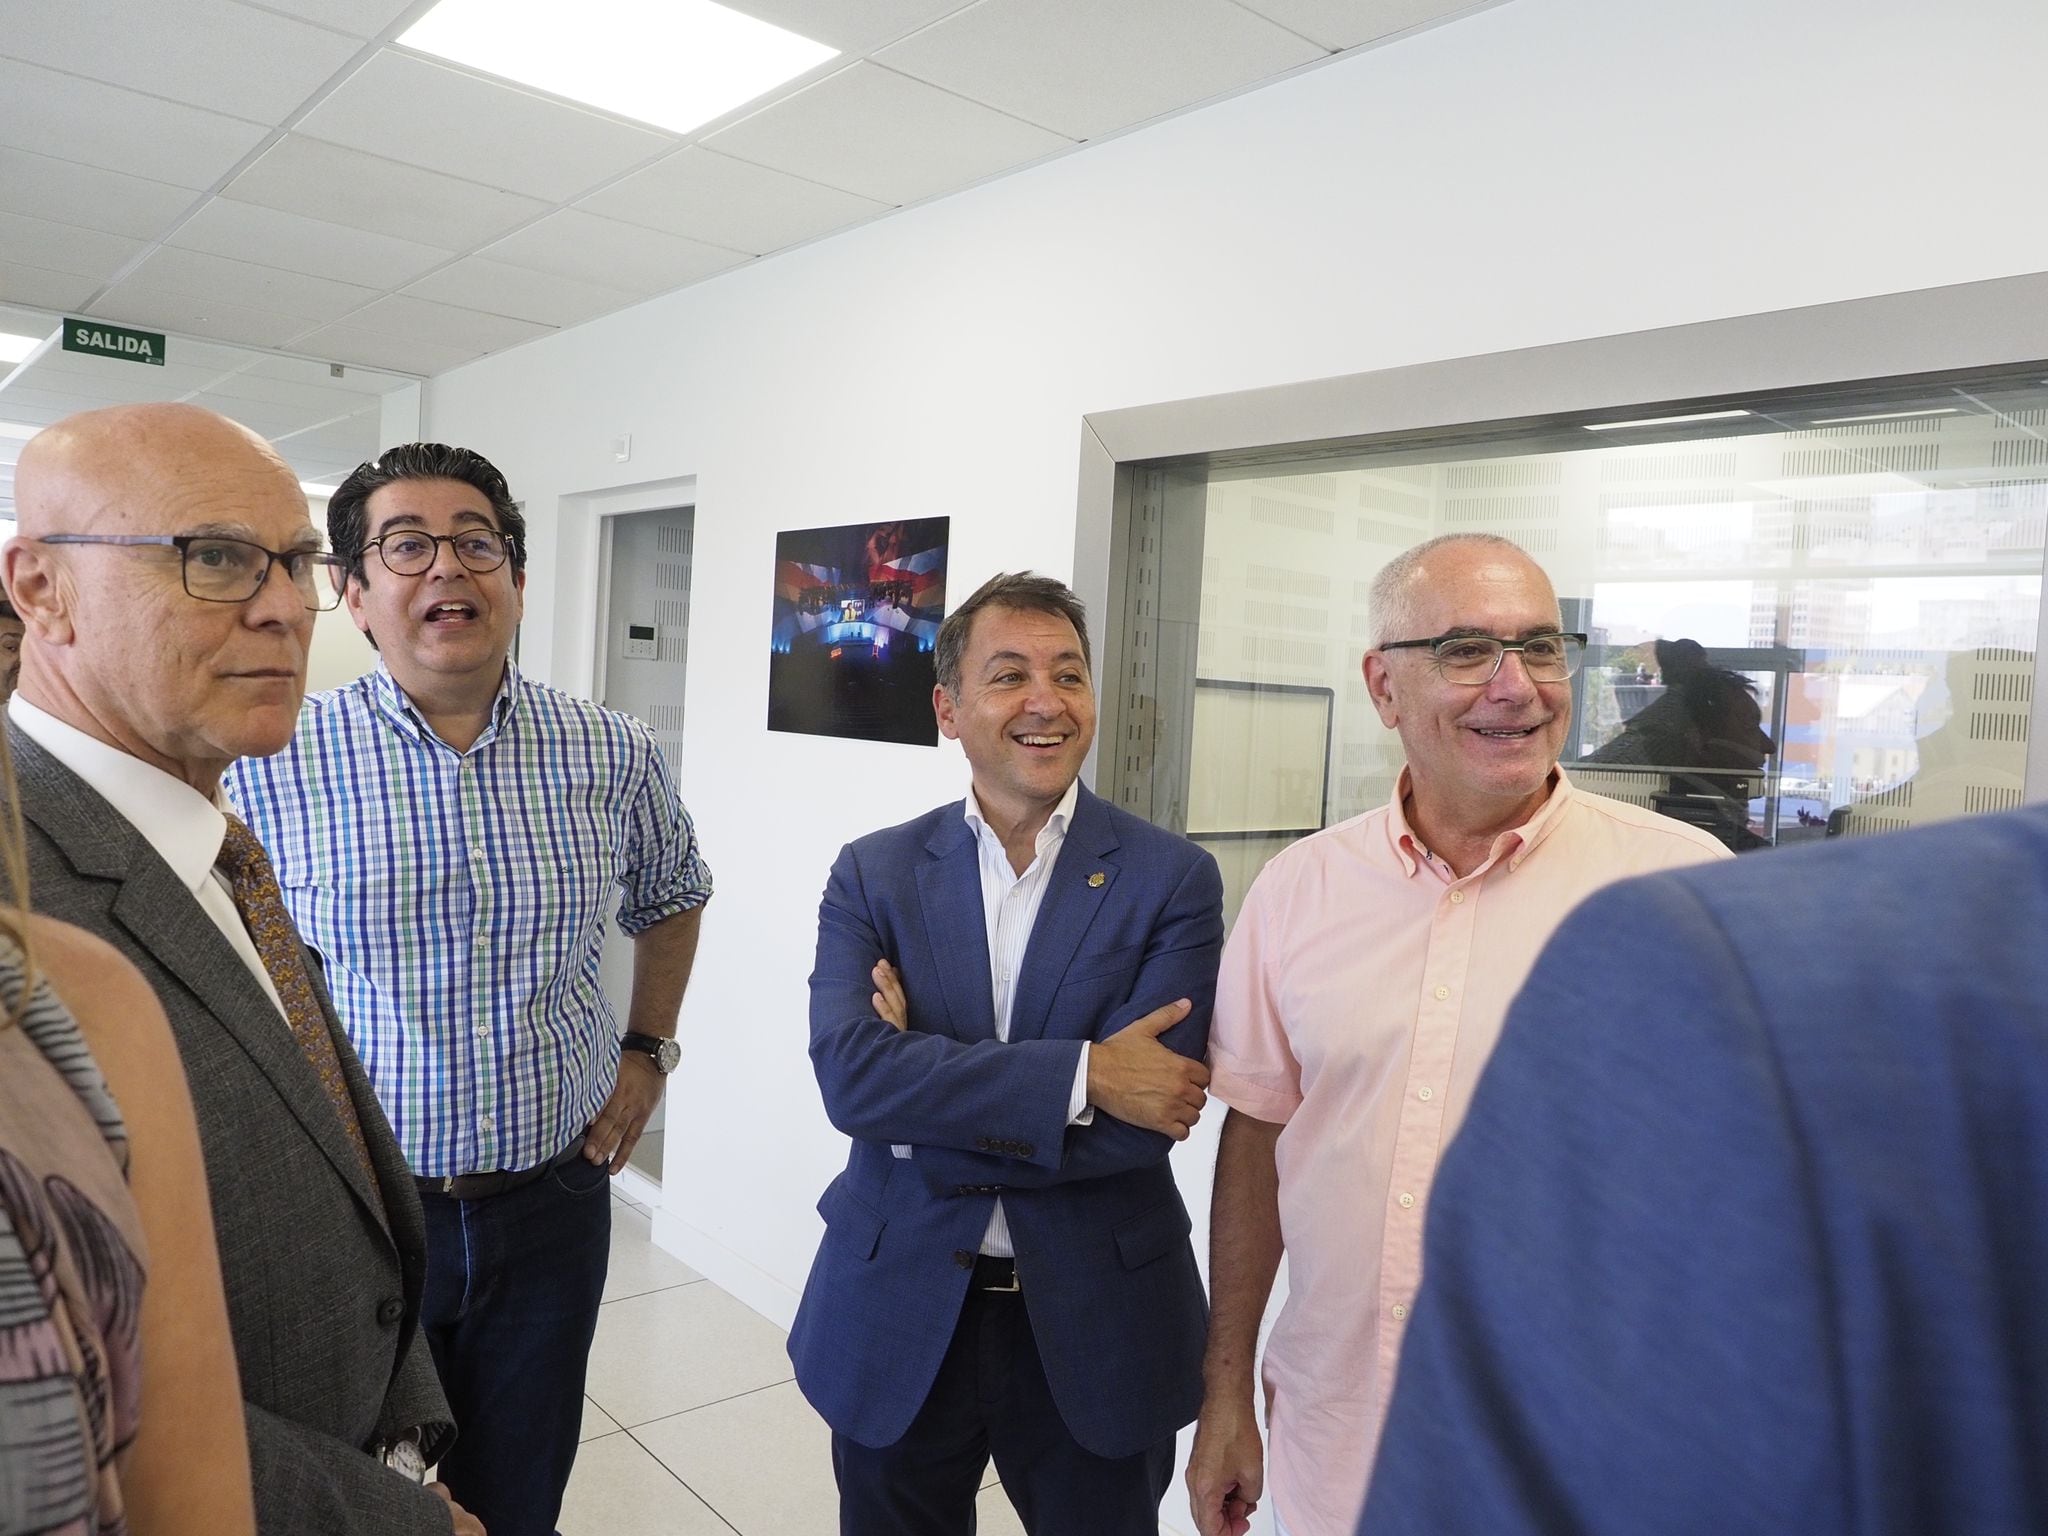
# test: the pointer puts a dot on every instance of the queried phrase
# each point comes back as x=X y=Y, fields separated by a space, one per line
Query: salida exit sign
x=103 y=340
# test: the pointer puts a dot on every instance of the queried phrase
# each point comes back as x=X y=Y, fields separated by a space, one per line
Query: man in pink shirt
x=1362 y=989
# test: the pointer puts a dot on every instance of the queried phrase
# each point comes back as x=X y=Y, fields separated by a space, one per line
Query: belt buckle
x=1014 y=1286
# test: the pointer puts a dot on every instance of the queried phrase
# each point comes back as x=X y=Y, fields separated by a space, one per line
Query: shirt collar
x=396 y=707
x=182 y=825
x=1513 y=845
x=1055 y=826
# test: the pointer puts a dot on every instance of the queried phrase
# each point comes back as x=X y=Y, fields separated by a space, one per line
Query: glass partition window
x=1806 y=618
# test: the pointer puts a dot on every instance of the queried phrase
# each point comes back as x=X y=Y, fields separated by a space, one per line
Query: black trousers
x=991 y=1399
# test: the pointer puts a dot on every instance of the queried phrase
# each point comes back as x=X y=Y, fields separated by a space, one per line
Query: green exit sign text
x=103 y=340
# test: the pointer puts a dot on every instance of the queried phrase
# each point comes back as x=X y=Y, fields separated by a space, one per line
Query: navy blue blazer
x=1747 y=1230
x=1131 y=920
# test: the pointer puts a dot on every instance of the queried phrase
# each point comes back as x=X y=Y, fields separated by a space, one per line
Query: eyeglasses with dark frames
x=410 y=552
x=1474 y=660
x=218 y=570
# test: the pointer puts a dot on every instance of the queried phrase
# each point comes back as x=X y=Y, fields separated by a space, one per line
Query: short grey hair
x=1390 y=605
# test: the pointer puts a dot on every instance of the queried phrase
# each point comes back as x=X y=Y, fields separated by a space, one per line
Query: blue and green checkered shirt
x=459 y=901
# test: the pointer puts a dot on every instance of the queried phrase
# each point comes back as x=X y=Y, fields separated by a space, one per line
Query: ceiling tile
x=1083 y=69
x=547 y=298
x=89 y=197
x=644 y=261
x=264 y=417
x=277 y=239
x=426 y=114
x=400 y=354
x=349 y=441
x=308 y=401
x=358 y=18
x=884 y=136
x=344 y=186
x=445 y=325
x=42 y=406
x=206 y=53
x=73 y=119
x=66 y=247
x=43 y=289
x=241 y=282
x=849 y=28
x=156 y=308
x=1350 y=23
x=357 y=381
x=728 y=202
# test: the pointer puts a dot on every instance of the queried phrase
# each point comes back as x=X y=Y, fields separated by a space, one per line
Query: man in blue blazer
x=1008 y=1016
x=1747 y=1229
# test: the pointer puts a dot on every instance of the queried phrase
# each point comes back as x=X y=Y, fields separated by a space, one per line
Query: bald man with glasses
x=1362 y=988
x=167 y=576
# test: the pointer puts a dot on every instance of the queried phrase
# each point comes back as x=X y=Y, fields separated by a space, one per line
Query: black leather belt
x=994 y=1274
x=481 y=1186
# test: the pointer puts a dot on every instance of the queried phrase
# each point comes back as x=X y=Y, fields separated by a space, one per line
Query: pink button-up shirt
x=1362 y=990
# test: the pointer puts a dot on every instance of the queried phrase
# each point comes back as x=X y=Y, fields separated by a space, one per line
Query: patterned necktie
x=257 y=897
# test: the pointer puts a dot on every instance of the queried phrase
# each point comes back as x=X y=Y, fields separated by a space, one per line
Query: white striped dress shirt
x=1009 y=905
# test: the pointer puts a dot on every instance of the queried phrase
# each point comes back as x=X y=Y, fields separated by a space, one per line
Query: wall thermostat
x=640 y=642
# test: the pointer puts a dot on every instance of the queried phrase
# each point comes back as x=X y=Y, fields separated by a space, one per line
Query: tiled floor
x=692 y=1425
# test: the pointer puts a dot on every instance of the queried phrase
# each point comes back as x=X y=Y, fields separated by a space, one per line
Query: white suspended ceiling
x=282 y=176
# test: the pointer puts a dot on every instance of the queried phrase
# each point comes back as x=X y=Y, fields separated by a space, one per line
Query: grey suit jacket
x=323 y=1289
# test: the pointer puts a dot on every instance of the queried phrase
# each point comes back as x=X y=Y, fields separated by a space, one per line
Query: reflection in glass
x=1795 y=630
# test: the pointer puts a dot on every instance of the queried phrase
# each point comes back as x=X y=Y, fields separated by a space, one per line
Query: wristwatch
x=665 y=1051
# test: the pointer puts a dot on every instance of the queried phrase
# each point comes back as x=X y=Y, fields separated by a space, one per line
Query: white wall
x=1544 y=171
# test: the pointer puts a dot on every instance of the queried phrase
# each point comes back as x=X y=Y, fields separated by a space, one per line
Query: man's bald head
x=116 y=644
x=113 y=470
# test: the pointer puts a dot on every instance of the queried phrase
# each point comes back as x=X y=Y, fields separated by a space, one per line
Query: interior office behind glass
x=1808 y=616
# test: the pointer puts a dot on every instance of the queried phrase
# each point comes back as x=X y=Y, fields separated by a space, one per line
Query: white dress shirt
x=182 y=825
x=1009 y=905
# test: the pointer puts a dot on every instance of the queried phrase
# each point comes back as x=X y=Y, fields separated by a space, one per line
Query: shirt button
x=483 y=941
x=1407 y=1201
x=483 y=1031
x=477 y=853
x=1457 y=897
x=1400 y=1313
x=485 y=1122
x=1442 y=993
x=1425 y=1093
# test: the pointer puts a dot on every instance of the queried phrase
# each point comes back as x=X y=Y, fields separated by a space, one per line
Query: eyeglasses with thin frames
x=1474 y=660
x=410 y=552
x=218 y=570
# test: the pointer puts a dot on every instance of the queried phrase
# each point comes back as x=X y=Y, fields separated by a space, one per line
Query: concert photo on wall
x=857 y=612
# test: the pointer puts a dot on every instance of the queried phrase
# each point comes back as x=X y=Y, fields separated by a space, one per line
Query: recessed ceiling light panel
x=14 y=348
x=674 y=63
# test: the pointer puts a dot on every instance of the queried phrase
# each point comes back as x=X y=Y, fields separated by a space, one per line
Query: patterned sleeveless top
x=71 y=1272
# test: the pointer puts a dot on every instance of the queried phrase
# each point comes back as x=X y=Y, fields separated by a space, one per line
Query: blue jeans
x=513 y=1286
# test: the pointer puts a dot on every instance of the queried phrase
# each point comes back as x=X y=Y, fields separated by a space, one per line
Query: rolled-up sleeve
x=663 y=871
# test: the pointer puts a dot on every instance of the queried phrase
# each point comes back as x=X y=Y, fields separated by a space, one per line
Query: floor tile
x=618 y=1489
x=763 y=1461
x=647 y=1154
x=668 y=1351
x=637 y=1266
x=995 y=1515
x=596 y=1422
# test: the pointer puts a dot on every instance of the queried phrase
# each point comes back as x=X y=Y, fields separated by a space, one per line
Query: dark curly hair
x=347 y=508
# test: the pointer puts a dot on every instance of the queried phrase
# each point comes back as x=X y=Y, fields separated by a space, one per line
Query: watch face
x=666 y=1055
